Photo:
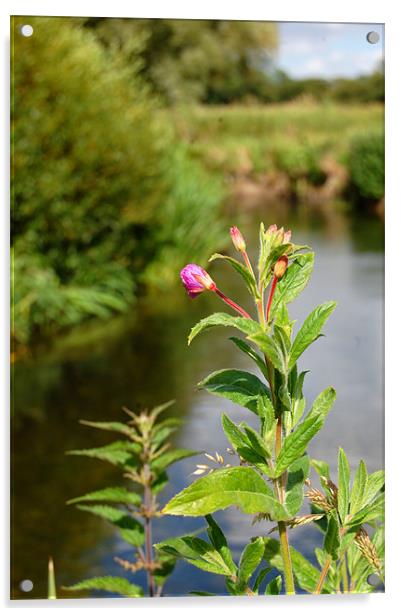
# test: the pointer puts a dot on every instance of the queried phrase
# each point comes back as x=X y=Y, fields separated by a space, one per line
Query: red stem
x=230 y=302
x=269 y=301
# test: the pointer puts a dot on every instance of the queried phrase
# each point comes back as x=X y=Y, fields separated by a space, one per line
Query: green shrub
x=366 y=165
x=92 y=179
x=300 y=160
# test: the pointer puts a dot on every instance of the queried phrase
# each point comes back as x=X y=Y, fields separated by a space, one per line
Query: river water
x=143 y=359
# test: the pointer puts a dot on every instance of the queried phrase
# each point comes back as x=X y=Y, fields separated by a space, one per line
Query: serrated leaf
x=118 y=453
x=238 y=486
x=250 y=559
x=358 y=488
x=270 y=348
x=166 y=565
x=109 y=583
x=110 y=426
x=112 y=494
x=242 y=444
x=248 y=350
x=374 y=484
x=297 y=474
x=332 y=537
x=310 y=331
x=294 y=280
x=255 y=441
x=296 y=443
x=246 y=326
x=130 y=529
x=240 y=387
x=159 y=482
x=197 y=552
x=323 y=403
x=274 y=586
x=343 y=485
x=242 y=270
x=372 y=512
x=219 y=542
x=169 y=457
x=306 y=575
x=162 y=430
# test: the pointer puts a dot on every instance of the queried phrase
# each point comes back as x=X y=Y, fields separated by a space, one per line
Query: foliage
x=366 y=165
x=96 y=177
x=194 y=60
x=273 y=469
x=143 y=457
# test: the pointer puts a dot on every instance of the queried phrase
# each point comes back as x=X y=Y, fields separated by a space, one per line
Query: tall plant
x=143 y=454
x=273 y=470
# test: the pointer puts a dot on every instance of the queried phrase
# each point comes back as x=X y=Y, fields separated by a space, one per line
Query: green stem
x=344 y=575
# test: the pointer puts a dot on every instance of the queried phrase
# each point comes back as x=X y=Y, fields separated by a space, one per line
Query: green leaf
x=239 y=486
x=197 y=552
x=110 y=426
x=240 y=387
x=343 y=485
x=109 y=583
x=332 y=537
x=297 y=474
x=321 y=467
x=159 y=482
x=219 y=542
x=358 y=488
x=306 y=575
x=166 y=565
x=130 y=529
x=163 y=430
x=242 y=270
x=294 y=281
x=372 y=512
x=119 y=453
x=270 y=348
x=242 y=444
x=259 y=579
x=113 y=495
x=323 y=403
x=296 y=443
x=246 y=326
x=255 y=440
x=310 y=330
x=248 y=350
x=274 y=586
x=374 y=484
x=169 y=457
x=250 y=559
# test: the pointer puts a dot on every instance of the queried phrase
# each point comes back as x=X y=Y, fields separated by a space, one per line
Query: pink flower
x=196 y=280
x=238 y=239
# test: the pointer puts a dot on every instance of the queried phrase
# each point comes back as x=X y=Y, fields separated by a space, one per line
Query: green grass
x=230 y=138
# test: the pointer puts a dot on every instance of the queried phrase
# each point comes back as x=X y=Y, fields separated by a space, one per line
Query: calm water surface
x=144 y=359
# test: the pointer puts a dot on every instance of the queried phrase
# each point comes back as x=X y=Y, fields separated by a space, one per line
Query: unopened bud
x=281 y=267
x=238 y=239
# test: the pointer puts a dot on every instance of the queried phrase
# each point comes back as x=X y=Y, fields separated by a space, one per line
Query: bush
x=92 y=184
x=366 y=165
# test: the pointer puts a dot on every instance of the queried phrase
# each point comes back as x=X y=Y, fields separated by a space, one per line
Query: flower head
x=196 y=280
x=280 y=266
x=238 y=239
x=278 y=236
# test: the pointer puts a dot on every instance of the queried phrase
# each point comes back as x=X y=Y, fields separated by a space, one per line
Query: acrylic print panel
x=139 y=149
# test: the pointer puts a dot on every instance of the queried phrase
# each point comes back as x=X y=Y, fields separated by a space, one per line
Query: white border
x=383 y=11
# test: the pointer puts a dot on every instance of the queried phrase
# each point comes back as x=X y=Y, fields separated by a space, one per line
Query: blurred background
x=136 y=144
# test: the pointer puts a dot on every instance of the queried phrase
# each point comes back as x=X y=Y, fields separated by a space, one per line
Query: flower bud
x=272 y=229
x=238 y=239
x=281 y=267
x=287 y=237
x=196 y=280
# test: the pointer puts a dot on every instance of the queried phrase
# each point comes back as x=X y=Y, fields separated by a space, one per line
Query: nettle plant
x=272 y=480
x=143 y=454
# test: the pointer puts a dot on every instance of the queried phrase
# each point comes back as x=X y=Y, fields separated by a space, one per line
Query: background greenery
x=128 y=137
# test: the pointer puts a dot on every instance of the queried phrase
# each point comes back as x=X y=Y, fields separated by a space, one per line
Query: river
x=143 y=359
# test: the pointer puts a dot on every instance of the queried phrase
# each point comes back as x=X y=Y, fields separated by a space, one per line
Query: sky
x=328 y=50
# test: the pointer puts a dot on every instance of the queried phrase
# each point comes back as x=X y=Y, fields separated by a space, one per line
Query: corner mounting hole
x=26 y=30
x=373 y=37
x=26 y=585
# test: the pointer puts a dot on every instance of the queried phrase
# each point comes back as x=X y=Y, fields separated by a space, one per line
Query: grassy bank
x=295 y=139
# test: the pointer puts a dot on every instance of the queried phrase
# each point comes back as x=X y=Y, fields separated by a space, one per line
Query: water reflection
x=144 y=359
